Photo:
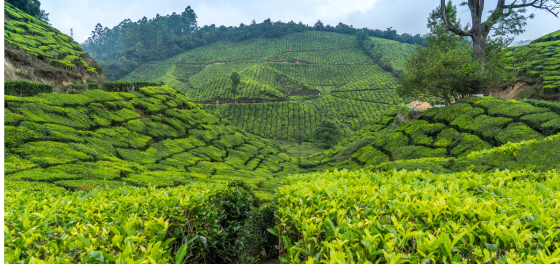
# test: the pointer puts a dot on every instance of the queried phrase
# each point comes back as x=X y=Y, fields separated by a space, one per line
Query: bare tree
x=505 y=19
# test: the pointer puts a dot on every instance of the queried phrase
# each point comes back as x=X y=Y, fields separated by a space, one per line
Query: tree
x=140 y=50
x=31 y=7
x=436 y=71
x=327 y=133
x=235 y=79
x=505 y=19
x=319 y=25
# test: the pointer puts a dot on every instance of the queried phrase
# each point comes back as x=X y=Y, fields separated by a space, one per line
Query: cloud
x=405 y=16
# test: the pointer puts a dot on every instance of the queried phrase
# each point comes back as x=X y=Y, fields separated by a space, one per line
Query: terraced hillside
x=539 y=60
x=492 y=128
x=157 y=136
x=313 y=75
x=38 y=52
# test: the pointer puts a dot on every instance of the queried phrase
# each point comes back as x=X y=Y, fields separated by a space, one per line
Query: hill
x=451 y=134
x=539 y=62
x=313 y=75
x=37 y=52
x=154 y=136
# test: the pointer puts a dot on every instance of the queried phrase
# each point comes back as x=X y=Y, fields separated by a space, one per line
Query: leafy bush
x=200 y=222
x=517 y=132
x=314 y=216
x=26 y=88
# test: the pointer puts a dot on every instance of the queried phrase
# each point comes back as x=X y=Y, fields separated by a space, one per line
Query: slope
x=539 y=60
x=38 y=52
x=318 y=69
x=156 y=136
x=451 y=134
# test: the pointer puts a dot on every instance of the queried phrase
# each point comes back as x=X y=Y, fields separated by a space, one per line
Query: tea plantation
x=321 y=75
x=45 y=50
x=149 y=175
x=540 y=59
x=450 y=134
x=156 y=136
x=141 y=172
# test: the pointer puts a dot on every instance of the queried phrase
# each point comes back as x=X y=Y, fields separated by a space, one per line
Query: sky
x=405 y=16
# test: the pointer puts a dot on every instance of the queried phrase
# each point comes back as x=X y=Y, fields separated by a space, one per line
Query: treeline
x=124 y=47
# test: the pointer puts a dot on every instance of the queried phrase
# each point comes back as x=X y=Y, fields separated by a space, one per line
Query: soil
x=218 y=62
x=34 y=69
x=421 y=106
x=511 y=92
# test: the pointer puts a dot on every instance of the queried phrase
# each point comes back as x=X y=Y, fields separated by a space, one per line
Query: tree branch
x=450 y=26
x=538 y=4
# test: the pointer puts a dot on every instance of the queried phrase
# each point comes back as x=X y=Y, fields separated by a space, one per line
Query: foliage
x=470 y=125
x=327 y=133
x=125 y=47
x=32 y=8
x=154 y=135
x=414 y=216
x=26 y=88
x=537 y=60
x=437 y=72
x=38 y=39
x=201 y=222
x=325 y=74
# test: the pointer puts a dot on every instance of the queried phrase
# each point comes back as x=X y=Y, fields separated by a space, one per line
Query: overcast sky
x=405 y=16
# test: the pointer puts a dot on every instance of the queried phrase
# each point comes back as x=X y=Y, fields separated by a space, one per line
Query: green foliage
x=201 y=221
x=327 y=133
x=517 y=132
x=314 y=216
x=95 y=135
x=37 y=38
x=538 y=60
x=26 y=88
x=438 y=72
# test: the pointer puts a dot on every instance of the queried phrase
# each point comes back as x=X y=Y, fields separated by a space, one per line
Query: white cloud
x=403 y=15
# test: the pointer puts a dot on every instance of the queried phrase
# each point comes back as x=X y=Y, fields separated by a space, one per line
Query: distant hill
x=288 y=84
x=450 y=134
x=38 y=52
x=154 y=136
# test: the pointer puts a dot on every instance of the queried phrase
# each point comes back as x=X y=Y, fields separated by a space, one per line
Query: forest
x=162 y=141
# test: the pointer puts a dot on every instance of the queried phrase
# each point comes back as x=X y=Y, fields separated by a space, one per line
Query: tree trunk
x=479 y=48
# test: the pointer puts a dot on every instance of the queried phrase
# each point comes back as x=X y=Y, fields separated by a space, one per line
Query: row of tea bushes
x=415 y=216
x=154 y=136
x=539 y=59
x=201 y=222
x=38 y=39
x=473 y=124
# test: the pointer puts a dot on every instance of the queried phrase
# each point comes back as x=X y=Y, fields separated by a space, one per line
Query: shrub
x=445 y=138
x=551 y=127
x=517 y=132
x=535 y=121
x=464 y=143
x=26 y=88
x=392 y=141
x=415 y=152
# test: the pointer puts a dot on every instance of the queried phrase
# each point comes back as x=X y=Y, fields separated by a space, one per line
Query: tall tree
x=235 y=79
x=504 y=19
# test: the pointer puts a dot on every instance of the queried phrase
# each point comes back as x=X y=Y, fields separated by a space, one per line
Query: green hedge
x=26 y=88
x=122 y=86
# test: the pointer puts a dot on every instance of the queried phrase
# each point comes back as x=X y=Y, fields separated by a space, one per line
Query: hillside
x=539 y=62
x=156 y=136
x=313 y=75
x=37 y=52
x=450 y=135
